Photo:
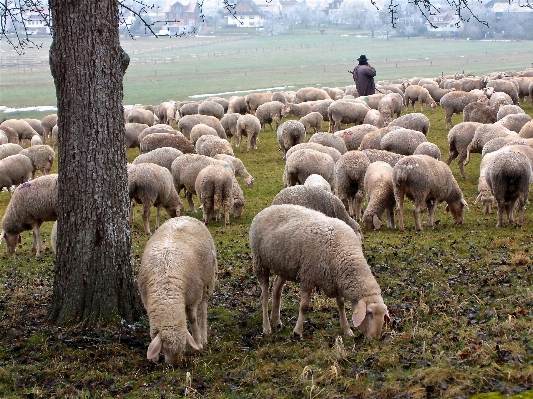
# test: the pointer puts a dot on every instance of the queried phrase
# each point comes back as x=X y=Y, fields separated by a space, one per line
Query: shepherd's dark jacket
x=363 y=75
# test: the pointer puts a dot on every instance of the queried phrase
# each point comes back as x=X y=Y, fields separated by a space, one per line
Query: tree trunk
x=93 y=276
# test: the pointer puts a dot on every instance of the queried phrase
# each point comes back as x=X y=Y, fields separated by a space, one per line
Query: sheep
x=9 y=149
x=48 y=122
x=334 y=153
x=14 y=169
x=402 y=141
x=416 y=93
x=178 y=141
x=526 y=132
x=485 y=194
x=313 y=120
x=254 y=100
x=152 y=185
x=163 y=156
x=349 y=181
x=279 y=232
x=201 y=129
x=237 y=104
x=329 y=140
x=305 y=162
x=508 y=109
x=321 y=106
x=288 y=134
x=454 y=103
x=177 y=276
x=352 y=136
x=372 y=140
x=185 y=170
x=297 y=110
x=212 y=145
x=238 y=198
x=428 y=148
x=318 y=199
x=190 y=108
x=167 y=113
x=390 y=105
x=141 y=115
x=11 y=135
x=482 y=135
x=187 y=122
x=278 y=96
x=229 y=123
x=459 y=137
x=374 y=117
x=132 y=131
x=509 y=177
x=238 y=167
x=500 y=98
x=334 y=93
x=530 y=90
x=523 y=83
x=36 y=125
x=41 y=157
x=505 y=86
x=3 y=137
x=342 y=111
x=381 y=155
x=311 y=94
x=249 y=126
x=317 y=181
x=36 y=140
x=158 y=128
x=379 y=194
x=214 y=187
x=480 y=112
x=270 y=112
x=499 y=142
x=514 y=122
x=32 y=204
x=23 y=129
x=372 y=100
x=224 y=102
x=413 y=121
x=211 y=108
x=427 y=182
x=436 y=92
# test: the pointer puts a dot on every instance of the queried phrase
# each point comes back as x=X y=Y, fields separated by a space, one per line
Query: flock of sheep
x=383 y=158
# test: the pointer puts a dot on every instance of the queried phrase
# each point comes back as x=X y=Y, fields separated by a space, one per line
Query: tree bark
x=93 y=276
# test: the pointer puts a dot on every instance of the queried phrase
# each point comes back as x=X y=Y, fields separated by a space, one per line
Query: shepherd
x=363 y=76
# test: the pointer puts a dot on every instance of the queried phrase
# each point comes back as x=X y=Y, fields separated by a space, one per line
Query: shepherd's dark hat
x=362 y=58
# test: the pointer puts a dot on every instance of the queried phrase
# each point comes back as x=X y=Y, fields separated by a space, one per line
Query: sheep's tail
x=468 y=149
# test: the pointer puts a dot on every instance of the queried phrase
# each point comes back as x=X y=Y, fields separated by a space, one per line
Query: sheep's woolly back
x=14 y=169
x=514 y=122
x=213 y=145
x=508 y=109
x=9 y=149
x=526 y=132
x=379 y=191
x=303 y=163
x=304 y=245
x=329 y=140
x=428 y=148
x=163 y=156
x=332 y=152
x=350 y=172
x=352 y=136
x=158 y=140
x=413 y=121
x=372 y=140
x=238 y=167
x=214 y=187
x=402 y=141
x=187 y=122
x=201 y=129
x=381 y=155
x=290 y=133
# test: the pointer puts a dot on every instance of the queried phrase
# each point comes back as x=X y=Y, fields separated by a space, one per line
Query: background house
x=182 y=16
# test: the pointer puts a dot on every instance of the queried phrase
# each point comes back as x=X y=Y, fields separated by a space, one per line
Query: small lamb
x=177 y=276
x=379 y=194
x=214 y=187
x=248 y=126
x=305 y=246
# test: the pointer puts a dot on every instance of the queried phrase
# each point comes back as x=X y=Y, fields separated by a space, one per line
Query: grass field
x=459 y=296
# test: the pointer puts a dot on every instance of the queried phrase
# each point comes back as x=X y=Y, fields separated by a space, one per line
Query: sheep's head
x=250 y=181
x=12 y=239
x=238 y=207
x=172 y=343
x=456 y=209
x=370 y=314
x=371 y=222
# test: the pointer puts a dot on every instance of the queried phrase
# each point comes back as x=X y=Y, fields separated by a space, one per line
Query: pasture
x=459 y=296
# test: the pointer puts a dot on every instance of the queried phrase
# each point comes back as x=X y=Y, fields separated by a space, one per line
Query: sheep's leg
x=345 y=326
x=277 y=288
x=188 y=196
x=432 y=206
x=262 y=278
x=448 y=119
x=36 y=240
x=461 y=162
x=390 y=218
x=451 y=156
x=146 y=218
x=399 y=200
x=417 y=208
x=501 y=210
x=350 y=208
x=305 y=299
x=157 y=215
x=202 y=316
x=227 y=208
x=191 y=312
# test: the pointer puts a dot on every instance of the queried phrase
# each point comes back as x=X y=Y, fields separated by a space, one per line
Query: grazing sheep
x=10 y=134
x=310 y=94
x=238 y=199
x=187 y=122
x=177 y=276
x=254 y=100
x=523 y=83
x=353 y=135
x=151 y=185
x=270 y=112
x=249 y=126
x=177 y=140
x=238 y=167
x=32 y=204
x=317 y=181
x=530 y=89
x=167 y=113
x=390 y=105
x=9 y=149
x=485 y=194
x=482 y=135
x=372 y=100
x=229 y=123
x=455 y=101
x=132 y=134
x=212 y=145
x=499 y=142
x=163 y=156
x=500 y=98
x=402 y=141
x=302 y=245
x=379 y=194
x=157 y=128
x=278 y=96
x=237 y=104
x=459 y=137
x=508 y=175
x=36 y=125
x=435 y=91
x=36 y=140
x=514 y=122
x=374 y=117
x=3 y=137
x=297 y=110
x=141 y=115
x=334 y=153
x=214 y=187
x=372 y=140
x=334 y=93
x=289 y=134
x=190 y=108
x=318 y=199
x=427 y=148
x=322 y=107
x=329 y=140
x=469 y=84
x=201 y=129
x=480 y=112
x=41 y=157
x=413 y=121
x=14 y=169
x=508 y=109
x=313 y=120
x=505 y=86
x=526 y=132
x=185 y=170
x=415 y=93
x=350 y=172
x=211 y=108
x=380 y=155
x=224 y=102
x=305 y=162
x=23 y=129
x=427 y=182
x=342 y=111
x=48 y=122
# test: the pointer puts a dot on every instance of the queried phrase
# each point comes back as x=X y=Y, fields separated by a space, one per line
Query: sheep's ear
x=376 y=221
x=359 y=313
x=155 y=348
x=192 y=342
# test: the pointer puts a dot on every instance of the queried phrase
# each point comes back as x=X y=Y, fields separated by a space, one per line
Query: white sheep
x=238 y=167
x=9 y=149
x=514 y=122
x=381 y=155
x=289 y=134
x=334 y=153
x=248 y=126
x=163 y=156
x=132 y=131
x=158 y=128
x=372 y=140
x=23 y=129
x=414 y=93
x=41 y=157
x=413 y=121
x=508 y=109
x=48 y=122
x=329 y=140
x=201 y=129
x=212 y=145
x=379 y=195
x=391 y=104
x=459 y=137
x=303 y=245
x=343 y=111
x=229 y=123
x=186 y=123
x=352 y=136
x=373 y=117
x=158 y=140
x=313 y=120
x=177 y=276
x=316 y=180
x=211 y=108
x=350 y=172
x=305 y=162
x=455 y=101
x=402 y=141
x=14 y=170
x=32 y=204
x=428 y=148
x=427 y=182
x=270 y=112
x=526 y=132
x=214 y=187
x=3 y=137
x=483 y=134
